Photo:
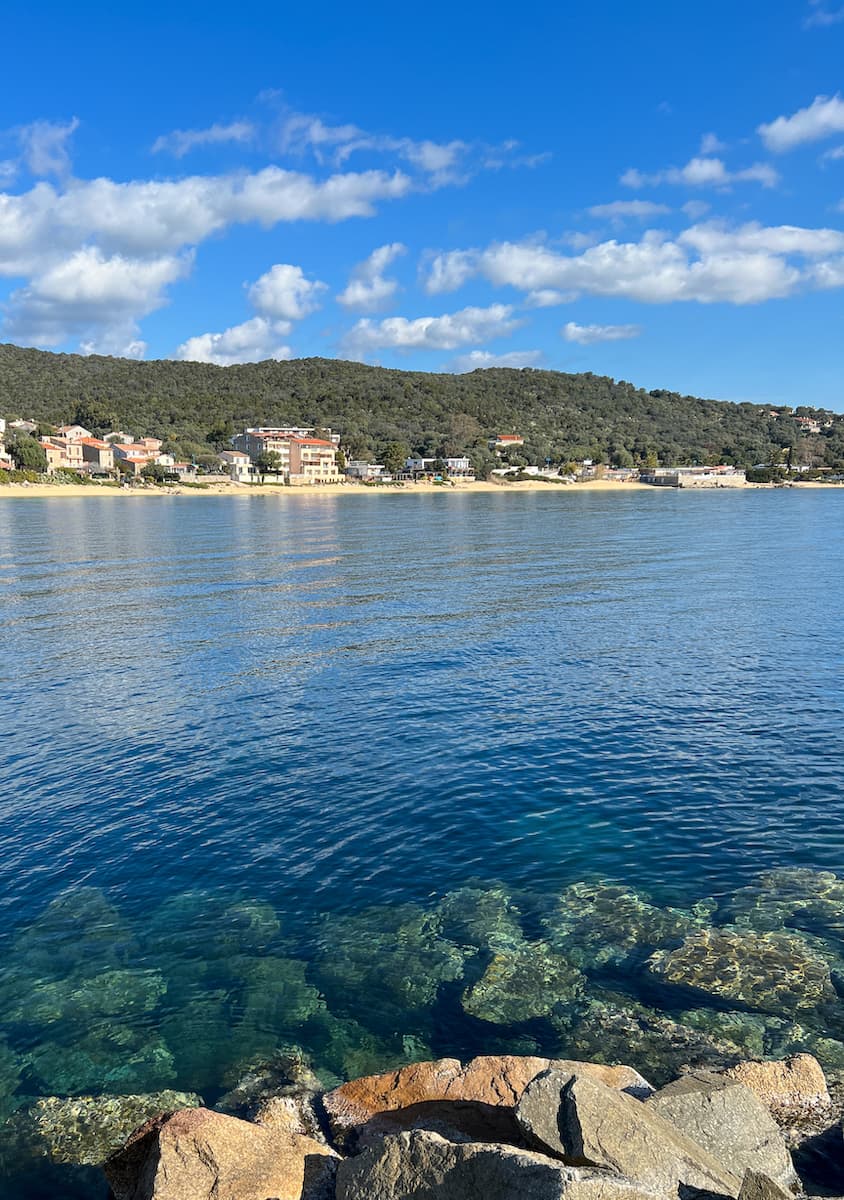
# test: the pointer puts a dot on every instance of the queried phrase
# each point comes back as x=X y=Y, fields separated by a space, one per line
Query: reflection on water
x=412 y=777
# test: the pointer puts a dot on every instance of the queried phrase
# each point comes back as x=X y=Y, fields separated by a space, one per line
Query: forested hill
x=196 y=406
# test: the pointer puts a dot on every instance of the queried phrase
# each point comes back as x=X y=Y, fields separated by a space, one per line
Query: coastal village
x=301 y=457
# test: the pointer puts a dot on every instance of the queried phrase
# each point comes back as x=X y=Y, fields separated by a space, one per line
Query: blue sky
x=654 y=192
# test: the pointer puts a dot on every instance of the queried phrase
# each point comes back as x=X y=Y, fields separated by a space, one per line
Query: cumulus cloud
x=448 y=332
x=181 y=141
x=707 y=263
x=368 y=288
x=477 y=360
x=285 y=293
x=254 y=341
x=547 y=298
x=619 y=210
x=702 y=171
x=823 y=118
x=87 y=293
x=588 y=335
x=710 y=143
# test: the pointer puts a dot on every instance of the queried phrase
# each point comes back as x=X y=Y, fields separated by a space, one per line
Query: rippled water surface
x=254 y=747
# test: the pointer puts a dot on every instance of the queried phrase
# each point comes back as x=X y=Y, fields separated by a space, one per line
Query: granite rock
x=195 y=1154
x=789 y=1088
x=420 y=1165
x=728 y=1120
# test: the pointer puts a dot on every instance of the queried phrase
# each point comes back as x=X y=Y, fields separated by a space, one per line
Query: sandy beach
x=68 y=491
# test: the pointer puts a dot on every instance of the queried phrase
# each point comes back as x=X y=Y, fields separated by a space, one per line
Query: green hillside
x=196 y=406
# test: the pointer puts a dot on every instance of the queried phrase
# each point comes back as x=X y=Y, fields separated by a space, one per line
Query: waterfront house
x=97 y=455
x=238 y=465
x=63 y=455
x=358 y=468
x=313 y=460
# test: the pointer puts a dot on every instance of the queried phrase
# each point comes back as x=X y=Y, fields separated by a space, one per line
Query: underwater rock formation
x=771 y=972
x=522 y=983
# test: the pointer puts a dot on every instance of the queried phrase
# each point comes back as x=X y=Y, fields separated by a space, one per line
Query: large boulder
x=590 y=1125
x=729 y=1121
x=521 y=983
x=195 y=1153
x=419 y=1165
x=773 y=972
x=475 y=1101
x=789 y=1088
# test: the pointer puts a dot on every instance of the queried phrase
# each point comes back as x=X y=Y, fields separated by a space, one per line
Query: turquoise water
x=385 y=777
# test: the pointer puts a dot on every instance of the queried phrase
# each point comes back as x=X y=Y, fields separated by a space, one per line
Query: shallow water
x=236 y=727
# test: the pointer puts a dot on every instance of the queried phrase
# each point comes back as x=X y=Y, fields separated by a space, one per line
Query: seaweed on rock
x=519 y=984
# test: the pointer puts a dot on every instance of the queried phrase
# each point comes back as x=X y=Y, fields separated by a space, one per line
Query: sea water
x=377 y=777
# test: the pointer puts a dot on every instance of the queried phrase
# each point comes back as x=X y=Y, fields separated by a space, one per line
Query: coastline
x=67 y=491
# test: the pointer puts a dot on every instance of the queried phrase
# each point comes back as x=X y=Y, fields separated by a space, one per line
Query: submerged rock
x=612 y=1027
x=771 y=972
x=522 y=983
x=481 y=918
x=10 y=1073
x=385 y=962
x=115 y=1061
x=196 y=1152
x=274 y=993
x=287 y=1073
x=599 y=923
x=87 y=1129
x=728 y=1120
x=424 y=1166
x=795 y=896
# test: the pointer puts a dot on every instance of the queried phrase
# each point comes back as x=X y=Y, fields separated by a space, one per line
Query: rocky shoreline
x=500 y=1127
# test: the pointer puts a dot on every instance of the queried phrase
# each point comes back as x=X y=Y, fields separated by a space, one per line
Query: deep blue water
x=322 y=704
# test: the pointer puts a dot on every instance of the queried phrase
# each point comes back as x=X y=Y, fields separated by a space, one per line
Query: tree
x=155 y=472
x=220 y=435
x=95 y=416
x=268 y=463
x=340 y=460
x=27 y=453
x=394 y=456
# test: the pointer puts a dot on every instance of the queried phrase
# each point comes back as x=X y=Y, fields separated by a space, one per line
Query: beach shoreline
x=68 y=491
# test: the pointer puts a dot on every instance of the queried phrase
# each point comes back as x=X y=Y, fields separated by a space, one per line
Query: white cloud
x=284 y=292
x=368 y=288
x=181 y=141
x=702 y=171
x=89 y=295
x=483 y=359
x=254 y=341
x=618 y=210
x=588 y=335
x=154 y=217
x=448 y=332
x=710 y=143
x=706 y=264
x=547 y=298
x=821 y=16
x=833 y=155
x=696 y=209
x=823 y=118
x=44 y=147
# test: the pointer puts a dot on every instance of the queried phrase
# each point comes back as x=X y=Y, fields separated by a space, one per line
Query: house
x=256 y=442
x=153 y=444
x=73 y=433
x=132 y=457
x=97 y=455
x=238 y=466
x=63 y=455
x=503 y=442
x=117 y=435
x=22 y=426
x=357 y=468
x=313 y=460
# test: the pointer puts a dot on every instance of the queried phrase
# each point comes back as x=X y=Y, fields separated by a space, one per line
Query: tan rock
x=789 y=1087
x=194 y=1153
x=419 y=1165
x=477 y=1100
